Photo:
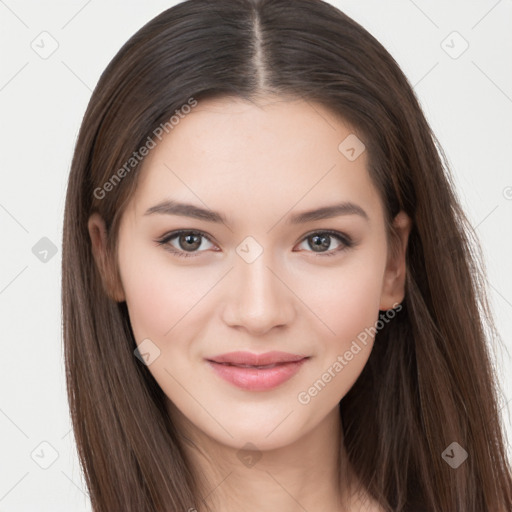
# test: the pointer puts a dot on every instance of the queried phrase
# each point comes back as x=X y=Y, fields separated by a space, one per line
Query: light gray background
x=467 y=100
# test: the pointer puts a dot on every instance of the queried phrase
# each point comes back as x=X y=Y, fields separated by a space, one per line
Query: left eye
x=321 y=239
x=190 y=241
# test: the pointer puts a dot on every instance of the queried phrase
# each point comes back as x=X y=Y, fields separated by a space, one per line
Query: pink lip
x=256 y=359
x=257 y=379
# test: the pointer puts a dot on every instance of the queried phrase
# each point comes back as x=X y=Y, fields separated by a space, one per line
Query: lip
x=248 y=358
x=285 y=365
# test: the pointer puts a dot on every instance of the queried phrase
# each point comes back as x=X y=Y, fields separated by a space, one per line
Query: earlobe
x=110 y=279
x=393 y=286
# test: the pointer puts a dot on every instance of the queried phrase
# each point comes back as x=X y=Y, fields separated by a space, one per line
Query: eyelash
x=164 y=241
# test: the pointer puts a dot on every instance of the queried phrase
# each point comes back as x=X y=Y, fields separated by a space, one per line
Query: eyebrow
x=169 y=207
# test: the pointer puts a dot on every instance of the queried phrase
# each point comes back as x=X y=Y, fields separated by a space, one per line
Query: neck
x=310 y=473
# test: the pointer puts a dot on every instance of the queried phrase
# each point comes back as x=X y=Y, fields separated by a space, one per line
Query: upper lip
x=248 y=358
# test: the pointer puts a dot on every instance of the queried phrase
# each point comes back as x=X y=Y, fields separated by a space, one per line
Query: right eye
x=187 y=239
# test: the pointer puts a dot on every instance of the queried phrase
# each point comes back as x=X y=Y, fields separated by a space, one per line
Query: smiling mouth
x=257 y=378
x=245 y=358
x=261 y=367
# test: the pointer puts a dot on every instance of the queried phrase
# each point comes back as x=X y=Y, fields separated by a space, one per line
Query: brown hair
x=429 y=380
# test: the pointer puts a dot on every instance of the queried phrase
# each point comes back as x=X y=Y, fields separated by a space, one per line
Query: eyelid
x=333 y=232
x=165 y=239
x=346 y=241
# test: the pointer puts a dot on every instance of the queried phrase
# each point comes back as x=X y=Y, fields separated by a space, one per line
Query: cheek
x=347 y=302
x=357 y=303
x=159 y=295
x=347 y=299
x=146 y=290
x=350 y=310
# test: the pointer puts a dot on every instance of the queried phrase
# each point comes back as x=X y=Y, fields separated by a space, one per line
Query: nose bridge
x=256 y=279
x=260 y=300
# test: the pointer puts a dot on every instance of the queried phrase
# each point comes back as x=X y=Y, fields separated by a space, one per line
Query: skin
x=257 y=165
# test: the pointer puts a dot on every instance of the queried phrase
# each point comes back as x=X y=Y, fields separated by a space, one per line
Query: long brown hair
x=429 y=380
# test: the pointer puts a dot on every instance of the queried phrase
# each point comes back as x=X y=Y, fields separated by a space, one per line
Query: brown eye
x=321 y=242
x=188 y=242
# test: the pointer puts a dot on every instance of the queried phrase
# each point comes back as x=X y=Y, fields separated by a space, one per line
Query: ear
x=393 y=285
x=106 y=267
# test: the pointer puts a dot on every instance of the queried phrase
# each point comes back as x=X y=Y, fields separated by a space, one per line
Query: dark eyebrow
x=170 y=207
x=328 y=212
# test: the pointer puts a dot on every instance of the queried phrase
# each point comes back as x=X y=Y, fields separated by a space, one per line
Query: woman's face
x=258 y=277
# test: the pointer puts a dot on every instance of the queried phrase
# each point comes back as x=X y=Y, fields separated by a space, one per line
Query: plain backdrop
x=458 y=57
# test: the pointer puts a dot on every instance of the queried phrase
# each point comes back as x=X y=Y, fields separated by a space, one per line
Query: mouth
x=257 y=377
x=248 y=359
x=260 y=366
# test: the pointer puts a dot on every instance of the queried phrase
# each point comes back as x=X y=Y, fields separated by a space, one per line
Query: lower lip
x=257 y=379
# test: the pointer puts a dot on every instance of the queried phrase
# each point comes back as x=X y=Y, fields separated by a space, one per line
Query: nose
x=258 y=298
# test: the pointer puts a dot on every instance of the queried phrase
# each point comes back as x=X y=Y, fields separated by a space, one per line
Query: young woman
x=272 y=299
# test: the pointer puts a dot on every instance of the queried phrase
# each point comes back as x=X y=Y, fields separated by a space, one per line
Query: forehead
x=230 y=154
